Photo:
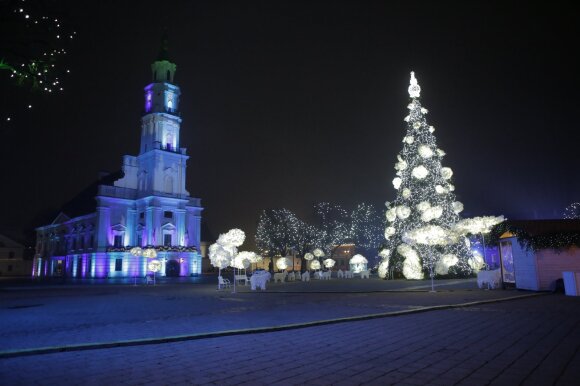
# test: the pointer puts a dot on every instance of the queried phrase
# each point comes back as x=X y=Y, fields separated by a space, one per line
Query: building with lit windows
x=145 y=205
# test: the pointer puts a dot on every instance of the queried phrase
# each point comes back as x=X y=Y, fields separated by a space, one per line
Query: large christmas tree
x=425 y=204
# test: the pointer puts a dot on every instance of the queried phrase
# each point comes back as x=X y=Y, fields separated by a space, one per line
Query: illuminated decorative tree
x=572 y=211
x=424 y=198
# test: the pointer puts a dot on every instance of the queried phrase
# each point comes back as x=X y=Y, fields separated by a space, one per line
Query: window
x=168 y=214
x=92 y=241
x=119 y=265
x=142 y=215
x=82 y=242
x=139 y=240
x=74 y=243
x=167 y=240
x=118 y=241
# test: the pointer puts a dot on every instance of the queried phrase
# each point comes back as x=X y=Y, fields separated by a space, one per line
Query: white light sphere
x=150 y=253
x=308 y=256
x=389 y=231
x=282 y=263
x=318 y=252
x=403 y=212
x=397 y=181
x=423 y=206
x=446 y=173
x=443 y=264
x=440 y=189
x=409 y=139
x=440 y=152
x=431 y=129
x=425 y=151
x=416 y=125
x=154 y=265
x=136 y=251
x=420 y=172
x=406 y=193
x=384 y=253
x=315 y=264
x=329 y=263
x=457 y=207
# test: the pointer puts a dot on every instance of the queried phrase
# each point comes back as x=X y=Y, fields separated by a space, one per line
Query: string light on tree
x=424 y=199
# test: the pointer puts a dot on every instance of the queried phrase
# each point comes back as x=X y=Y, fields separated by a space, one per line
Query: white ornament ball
x=416 y=125
x=308 y=256
x=446 y=173
x=440 y=152
x=457 y=207
x=409 y=139
x=425 y=151
x=420 y=172
x=406 y=119
x=389 y=232
x=451 y=187
x=424 y=110
x=401 y=165
x=406 y=193
x=329 y=263
x=315 y=264
x=397 y=181
x=423 y=206
x=318 y=252
x=392 y=214
x=431 y=129
x=440 y=189
x=411 y=106
x=403 y=212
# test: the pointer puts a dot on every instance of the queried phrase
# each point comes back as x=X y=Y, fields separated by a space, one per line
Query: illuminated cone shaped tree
x=424 y=198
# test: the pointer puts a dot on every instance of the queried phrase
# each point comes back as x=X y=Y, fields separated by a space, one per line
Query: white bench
x=239 y=278
x=223 y=283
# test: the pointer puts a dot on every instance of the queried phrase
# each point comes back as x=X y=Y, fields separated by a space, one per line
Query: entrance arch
x=172 y=268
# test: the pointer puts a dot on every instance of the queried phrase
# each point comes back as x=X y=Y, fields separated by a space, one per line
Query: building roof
x=6 y=242
x=84 y=202
x=543 y=227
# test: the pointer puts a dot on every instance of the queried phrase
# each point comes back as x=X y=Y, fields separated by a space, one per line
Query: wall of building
x=551 y=264
x=524 y=267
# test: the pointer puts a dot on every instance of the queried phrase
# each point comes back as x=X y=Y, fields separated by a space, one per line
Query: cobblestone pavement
x=56 y=315
x=533 y=341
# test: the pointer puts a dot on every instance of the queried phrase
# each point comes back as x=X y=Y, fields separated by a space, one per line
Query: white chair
x=348 y=274
x=290 y=276
x=244 y=278
x=297 y=275
x=364 y=274
x=280 y=276
x=339 y=274
x=149 y=279
x=223 y=283
x=306 y=276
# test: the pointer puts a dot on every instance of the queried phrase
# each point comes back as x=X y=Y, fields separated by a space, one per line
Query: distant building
x=538 y=269
x=145 y=205
x=13 y=261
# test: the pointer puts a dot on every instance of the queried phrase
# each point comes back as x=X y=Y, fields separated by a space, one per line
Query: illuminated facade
x=146 y=206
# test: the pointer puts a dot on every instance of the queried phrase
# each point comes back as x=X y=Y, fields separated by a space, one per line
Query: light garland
x=477 y=225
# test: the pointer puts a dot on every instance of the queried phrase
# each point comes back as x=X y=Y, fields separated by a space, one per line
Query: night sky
x=288 y=103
